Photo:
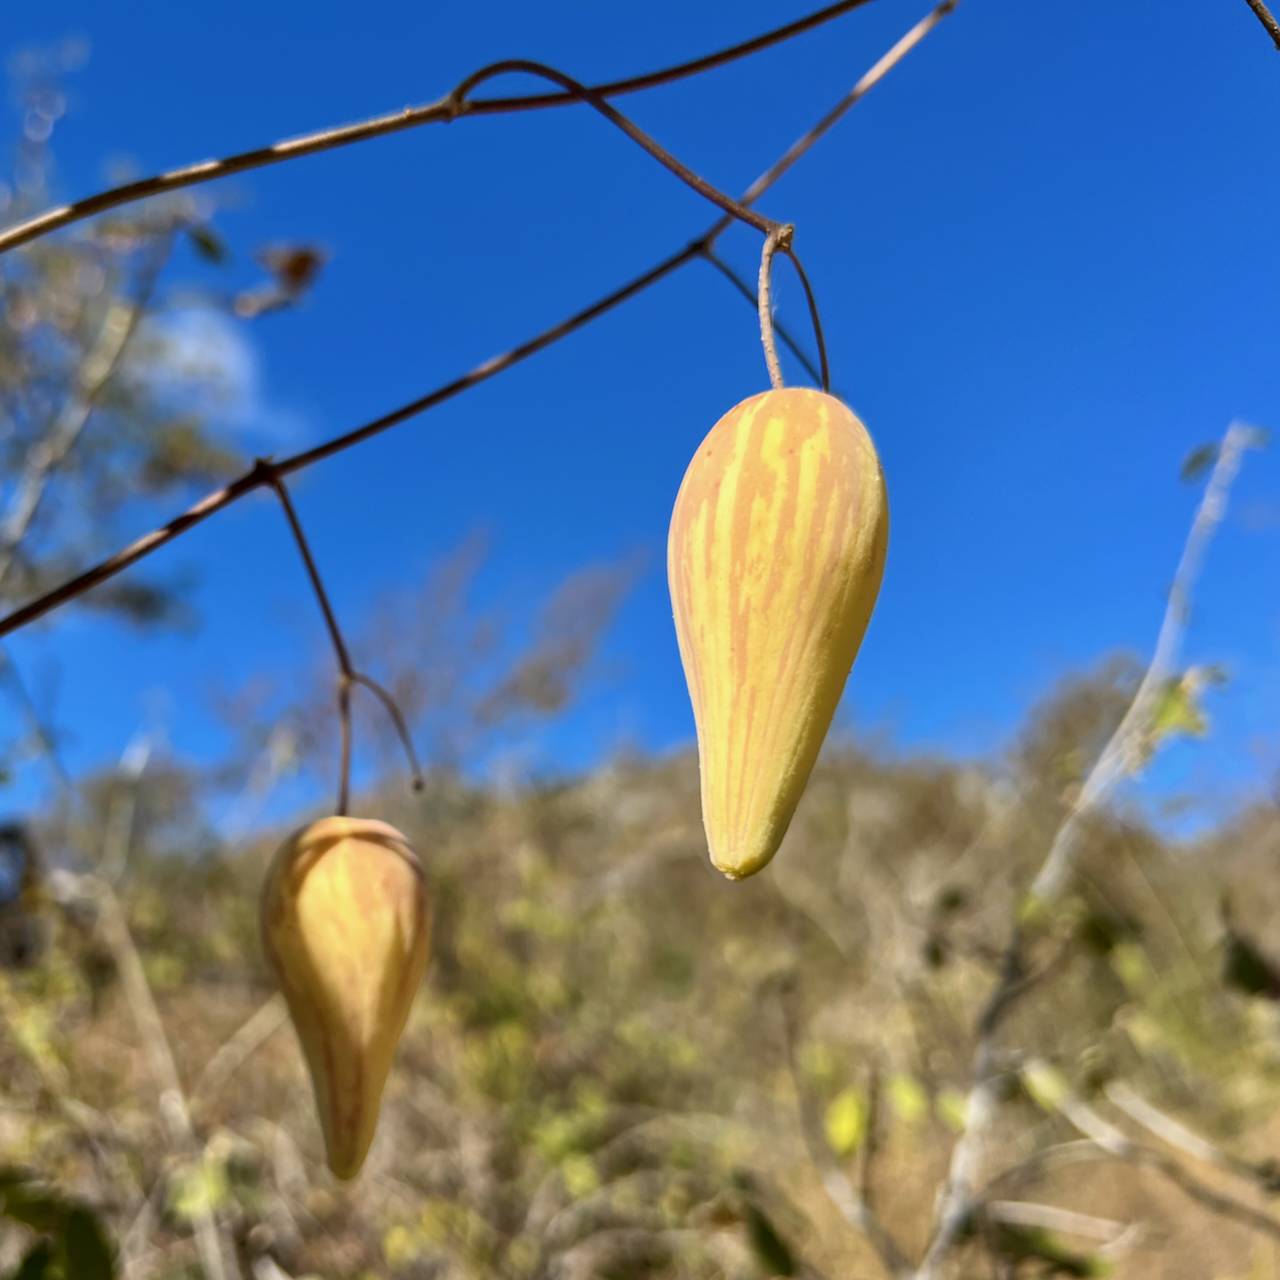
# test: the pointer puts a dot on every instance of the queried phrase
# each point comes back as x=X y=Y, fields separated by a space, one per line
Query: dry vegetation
x=601 y=1075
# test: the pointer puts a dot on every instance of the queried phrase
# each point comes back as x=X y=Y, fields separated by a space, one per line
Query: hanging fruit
x=774 y=560
x=346 y=927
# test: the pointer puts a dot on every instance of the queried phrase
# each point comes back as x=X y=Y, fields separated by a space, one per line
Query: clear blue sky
x=1046 y=254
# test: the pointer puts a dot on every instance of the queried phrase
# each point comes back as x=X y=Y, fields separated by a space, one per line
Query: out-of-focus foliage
x=596 y=1080
x=69 y=1244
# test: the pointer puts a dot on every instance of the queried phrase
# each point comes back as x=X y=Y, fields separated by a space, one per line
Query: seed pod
x=346 y=928
x=774 y=560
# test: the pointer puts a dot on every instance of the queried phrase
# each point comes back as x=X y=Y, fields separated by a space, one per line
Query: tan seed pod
x=774 y=560
x=345 y=925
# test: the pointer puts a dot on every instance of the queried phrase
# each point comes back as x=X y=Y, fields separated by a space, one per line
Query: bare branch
x=1087 y=1121
x=256 y=478
x=957 y=1199
x=853 y=1204
x=1023 y=1213
x=174 y=1111
x=732 y=207
x=347 y=674
x=442 y=111
x=1176 y=1134
x=865 y=84
x=238 y=1048
x=1267 y=18
x=1116 y=760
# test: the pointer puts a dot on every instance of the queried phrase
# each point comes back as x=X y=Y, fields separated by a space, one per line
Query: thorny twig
x=256 y=479
x=957 y=1198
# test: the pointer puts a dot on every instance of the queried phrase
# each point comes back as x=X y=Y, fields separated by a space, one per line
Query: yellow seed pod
x=346 y=927
x=774 y=560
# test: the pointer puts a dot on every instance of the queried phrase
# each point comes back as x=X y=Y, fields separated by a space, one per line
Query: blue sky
x=1046 y=258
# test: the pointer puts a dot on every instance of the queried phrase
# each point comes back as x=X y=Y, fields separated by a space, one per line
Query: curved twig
x=780 y=240
x=442 y=111
x=633 y=131
x=397 y=719
x=255 y=479
x=747 y=292
x=347 y=673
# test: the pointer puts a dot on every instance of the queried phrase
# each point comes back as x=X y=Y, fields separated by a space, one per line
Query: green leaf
x=907 y=1098
x=199 y=1188
x=845 y=1123
x=951 y=1106
x=1177 y=712
x=1046 y=1085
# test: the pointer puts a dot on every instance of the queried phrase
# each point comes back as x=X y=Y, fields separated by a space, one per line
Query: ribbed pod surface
x=345 y=924
x=774 y=560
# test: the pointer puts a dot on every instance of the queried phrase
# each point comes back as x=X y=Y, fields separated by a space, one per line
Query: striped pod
x=345 y=926
x=774 y=560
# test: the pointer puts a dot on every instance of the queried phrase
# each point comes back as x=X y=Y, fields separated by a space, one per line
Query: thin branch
x=871 y=1143
x=344 y=752
x=313 y=573
x=43 y=735
x=1087 y=1121
x=347 y=673
x=99 y=367
x=957 y=1200
x=239 y=1047
x=852 y=1203
x=1116 y=759
x=398 y=723
x=865 y=84
x=255 y=479
x=442 y=111
x=1176 y=1134
x=1267 y=18
x=173 y=1104
x=778 y=238
x=747 y=292
x=814 y=318
x=633 y=131
x=1024 y=1213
